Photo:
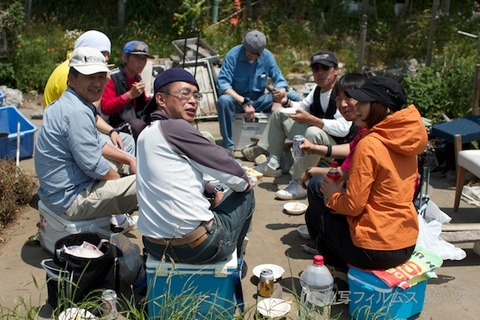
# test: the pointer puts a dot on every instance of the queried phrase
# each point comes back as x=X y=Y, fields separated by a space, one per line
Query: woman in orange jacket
x=374 y=221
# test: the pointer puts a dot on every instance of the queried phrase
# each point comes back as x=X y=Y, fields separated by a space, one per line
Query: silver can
x=109 y=298
x=265 y=283
x=297 y=141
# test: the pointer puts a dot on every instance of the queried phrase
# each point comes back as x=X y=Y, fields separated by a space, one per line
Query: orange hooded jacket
x=378 y=202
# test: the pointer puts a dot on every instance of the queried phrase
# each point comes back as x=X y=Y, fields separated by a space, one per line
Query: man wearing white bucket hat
x=57 y=84
x=76 y=180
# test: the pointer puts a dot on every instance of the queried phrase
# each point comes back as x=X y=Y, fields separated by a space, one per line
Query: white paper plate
x=289 y=110
x=295 y=207
x=273 y=308
x=277 y=270
x=303 y=230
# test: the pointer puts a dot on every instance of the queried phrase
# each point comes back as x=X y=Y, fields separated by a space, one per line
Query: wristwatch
x=246 y=101
x=216 y=190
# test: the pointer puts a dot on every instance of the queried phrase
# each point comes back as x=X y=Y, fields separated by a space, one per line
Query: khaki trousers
x=104 y=198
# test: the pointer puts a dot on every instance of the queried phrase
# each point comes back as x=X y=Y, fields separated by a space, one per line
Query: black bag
x=70 y=279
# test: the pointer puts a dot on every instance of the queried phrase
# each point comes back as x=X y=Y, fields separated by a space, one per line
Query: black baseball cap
x=386 y=91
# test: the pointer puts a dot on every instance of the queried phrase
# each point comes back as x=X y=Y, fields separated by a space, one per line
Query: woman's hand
x=329 y=187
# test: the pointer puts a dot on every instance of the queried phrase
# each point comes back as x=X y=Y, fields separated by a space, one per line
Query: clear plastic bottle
x=317 y=290
x=333 y=173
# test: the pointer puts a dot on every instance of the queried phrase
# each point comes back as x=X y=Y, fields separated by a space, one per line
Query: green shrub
x=16 y=189
x=445 y=87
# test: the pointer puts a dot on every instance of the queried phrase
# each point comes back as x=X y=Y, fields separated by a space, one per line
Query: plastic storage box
x=371 y=298
x=9 y=119
x=208 y=290
x=53 y=227
x=243 y=131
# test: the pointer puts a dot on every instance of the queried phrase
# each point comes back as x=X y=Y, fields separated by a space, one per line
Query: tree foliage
x=294 y=30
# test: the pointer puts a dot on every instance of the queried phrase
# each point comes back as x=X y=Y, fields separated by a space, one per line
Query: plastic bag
x=429 y=238
x=131 y=264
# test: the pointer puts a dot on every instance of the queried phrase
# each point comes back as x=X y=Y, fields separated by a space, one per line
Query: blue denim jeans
x=232 y=218
x=227 y=107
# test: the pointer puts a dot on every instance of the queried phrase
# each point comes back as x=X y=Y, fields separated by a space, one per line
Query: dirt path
x=273 y=239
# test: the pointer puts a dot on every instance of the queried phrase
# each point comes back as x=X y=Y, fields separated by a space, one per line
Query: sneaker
x=250 y=152
x=130 y=223
x=293 y=191
x=271 y=168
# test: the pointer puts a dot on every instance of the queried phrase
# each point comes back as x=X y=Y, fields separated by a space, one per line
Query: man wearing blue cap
x=242 y=82
x=124 y=98
x=183 y=216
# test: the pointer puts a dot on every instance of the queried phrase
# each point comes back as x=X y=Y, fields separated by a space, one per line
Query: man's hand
x=116 y=140
x=279 y=95
x=249 y=112
x=302 y=117
x=137 y=89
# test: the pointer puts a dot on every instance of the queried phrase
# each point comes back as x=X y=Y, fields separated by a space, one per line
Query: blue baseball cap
x=137 y=47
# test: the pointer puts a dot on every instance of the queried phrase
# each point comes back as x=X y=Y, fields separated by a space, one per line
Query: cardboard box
x=9 y=119
x=243 y=131
x=208 y=290
x=53 y=227
x=371 y=298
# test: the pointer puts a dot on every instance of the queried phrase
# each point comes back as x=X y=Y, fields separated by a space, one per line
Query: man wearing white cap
x=57 y=84
x=76 y=180
x=242 y=81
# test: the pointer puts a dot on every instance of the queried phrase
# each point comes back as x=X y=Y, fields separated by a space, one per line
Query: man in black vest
x=316 y=118
x=124 y=98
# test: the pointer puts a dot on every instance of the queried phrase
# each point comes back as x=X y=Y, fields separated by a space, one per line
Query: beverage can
x=109 y=298
x=265 y=284
x=297 y=141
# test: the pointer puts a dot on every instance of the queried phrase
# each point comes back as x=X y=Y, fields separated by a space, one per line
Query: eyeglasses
x=186 y=94
x=318 y=66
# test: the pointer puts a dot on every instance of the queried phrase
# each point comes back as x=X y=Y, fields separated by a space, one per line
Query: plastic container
x=171 y=286
x=333 y=173
x=10 y=117
x=243 y=131
x=371 y=299
x=53 y=227
x=317 y=289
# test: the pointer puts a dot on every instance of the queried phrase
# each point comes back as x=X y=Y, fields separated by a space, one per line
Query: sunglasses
x=318 y=66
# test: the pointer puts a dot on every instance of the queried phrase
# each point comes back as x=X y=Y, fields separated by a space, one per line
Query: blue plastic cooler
x=370 y=298
x=207 y=290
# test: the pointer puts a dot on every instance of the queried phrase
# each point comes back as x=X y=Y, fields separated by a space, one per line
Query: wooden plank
x=460 y=227
x=461 y=236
